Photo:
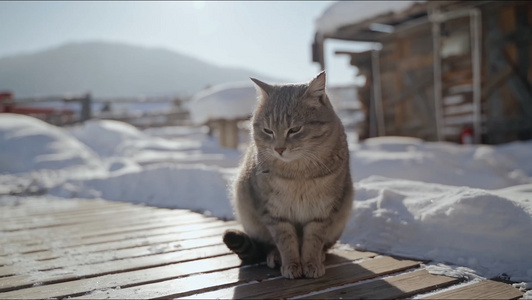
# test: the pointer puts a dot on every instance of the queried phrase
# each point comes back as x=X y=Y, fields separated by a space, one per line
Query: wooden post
x=436 y=40
x=379 y=111
x=86 y=113
x=228 y=133
x=476 y=59
x=232 y=134
x=318 y=49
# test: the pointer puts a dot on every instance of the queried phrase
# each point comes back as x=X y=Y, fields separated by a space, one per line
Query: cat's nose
x=280 y=150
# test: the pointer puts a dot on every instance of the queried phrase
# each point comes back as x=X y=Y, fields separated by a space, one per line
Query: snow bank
x=470 y=206
x=464 y=226
x=30 y=144
x=105 y=136
x=196 y=187
x=342 y=13
x=487 y=167
x=225 y=101
x=114 y=139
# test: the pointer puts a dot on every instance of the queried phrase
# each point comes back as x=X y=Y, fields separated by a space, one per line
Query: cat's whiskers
x=261 y=160
x=314 y=158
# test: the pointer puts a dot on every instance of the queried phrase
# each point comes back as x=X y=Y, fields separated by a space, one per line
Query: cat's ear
x=316 y=87
x=262 y=87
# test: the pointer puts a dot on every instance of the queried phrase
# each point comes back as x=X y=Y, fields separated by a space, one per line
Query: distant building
x=446 y=70
x=345 y=102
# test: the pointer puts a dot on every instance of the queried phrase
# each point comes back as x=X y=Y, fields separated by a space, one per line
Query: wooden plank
x=119 y=218
x=334 y=276
x=195 y=284
x=393 y=287
x=495 y=81
x=212 y=229
x=487 y=289
x=28 y=267
x=133 y=214
x=188 y=285
x=123 y=265
x=418 y=87
x=465 y=88
x=466 y=108
x=63 y=217
x=109 y=234
x=33 y=206
x=123 y=280
x=65 y=207
x=415 y=62
x=73 y=209
x=457 y=75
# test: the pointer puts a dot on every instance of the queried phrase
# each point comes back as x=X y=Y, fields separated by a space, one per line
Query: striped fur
x=294 y=193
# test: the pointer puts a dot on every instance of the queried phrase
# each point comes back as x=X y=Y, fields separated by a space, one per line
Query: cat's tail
x=249 y=250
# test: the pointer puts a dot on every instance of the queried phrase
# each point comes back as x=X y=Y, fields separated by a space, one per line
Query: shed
x=444 y=71
x=222 y=107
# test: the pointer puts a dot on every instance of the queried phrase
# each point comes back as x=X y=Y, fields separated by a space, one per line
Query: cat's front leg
x=285 y=237
x=312 y=252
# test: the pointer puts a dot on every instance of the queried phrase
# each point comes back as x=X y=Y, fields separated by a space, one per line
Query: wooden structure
x=91 y=249
x=446 y=70
x=143 y=112
x=224 y=108
x=36 y=107
x=227 y=130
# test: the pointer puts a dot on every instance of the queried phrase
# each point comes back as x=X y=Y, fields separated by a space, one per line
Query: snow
x=342 y=13
x=471 y=227
x=482 y=166
x=468 y=209
x=29 y=144
x=225 y=101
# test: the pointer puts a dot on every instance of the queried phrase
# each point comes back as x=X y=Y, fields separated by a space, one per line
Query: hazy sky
x=270 y=37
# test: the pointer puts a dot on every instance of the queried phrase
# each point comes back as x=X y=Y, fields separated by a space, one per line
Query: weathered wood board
x=92 y=249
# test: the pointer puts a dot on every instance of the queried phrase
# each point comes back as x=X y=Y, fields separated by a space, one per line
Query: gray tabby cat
x=294 y=192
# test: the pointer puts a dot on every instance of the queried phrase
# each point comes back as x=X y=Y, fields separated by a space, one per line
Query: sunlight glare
x=199 y=4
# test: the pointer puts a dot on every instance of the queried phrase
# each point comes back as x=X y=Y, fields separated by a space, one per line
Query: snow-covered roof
x=342 y=13
x=226 y=101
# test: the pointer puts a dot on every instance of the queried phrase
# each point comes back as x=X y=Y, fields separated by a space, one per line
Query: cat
x=293 y=194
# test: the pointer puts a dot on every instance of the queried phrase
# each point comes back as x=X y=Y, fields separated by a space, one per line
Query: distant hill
x=111 y=70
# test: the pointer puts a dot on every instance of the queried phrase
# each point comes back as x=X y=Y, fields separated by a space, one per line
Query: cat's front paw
x=291 y=270
x=313 y=269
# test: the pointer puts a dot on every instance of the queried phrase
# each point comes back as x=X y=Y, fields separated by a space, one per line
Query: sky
x=270 y=37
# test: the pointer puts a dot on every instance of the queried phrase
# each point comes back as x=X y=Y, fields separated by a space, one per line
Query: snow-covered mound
x=483 y=166
x=225 y=101
x=464 y=205
x=197 y=187
x=113 y=139
x=486 y=231
x=29 y=144
x=105 y=136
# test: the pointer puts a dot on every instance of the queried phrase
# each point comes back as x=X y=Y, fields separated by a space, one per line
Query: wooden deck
x=97 y=249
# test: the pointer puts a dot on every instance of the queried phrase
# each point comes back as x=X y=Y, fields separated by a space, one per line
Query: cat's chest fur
x=300 y=200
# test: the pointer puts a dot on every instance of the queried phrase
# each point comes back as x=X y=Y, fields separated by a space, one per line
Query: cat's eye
x=267 y=131
x=294 y=130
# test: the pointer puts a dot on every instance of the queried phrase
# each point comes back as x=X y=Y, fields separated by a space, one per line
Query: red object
x=6 y=102
x=5 y=95
x=40 y=110
x=466 y=136
x=8 y=105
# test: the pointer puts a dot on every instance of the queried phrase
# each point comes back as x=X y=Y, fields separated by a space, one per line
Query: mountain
x=110 y=70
